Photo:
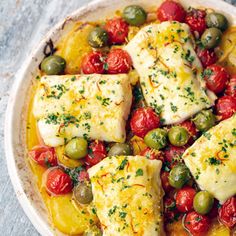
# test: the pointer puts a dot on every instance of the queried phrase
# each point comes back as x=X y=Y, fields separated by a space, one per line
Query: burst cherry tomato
x=216 y=78
x=231 y=87
x=226 y=107
x=227 y=213
x=93 y=63
x=197 y=224
x=97 y=152
x=184 y=199
x=207 y=57
x=173 y=153
x=58 y=182
x=117 y=30
x=44 y=156
x=143 y=120
x=152 y=154
x=171 y=11
x=165 y=181
x=196 y=20
x=118 y=61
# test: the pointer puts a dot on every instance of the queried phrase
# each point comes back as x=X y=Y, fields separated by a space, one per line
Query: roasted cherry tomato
x=44 y=156
x=118 y=61
x=143 y=120
x=117 y=30
x=173 y=154
x=206 y=56
x=231 y=87
x=97 y=152
x=184 y=199
x=152 y=154
x=196 y=224
x=227 y=212
x=216 y=78
x=83 y=176
x=196 y=20
x=93 y=63
x=165 y=181
x=58 y=182
x=171 y=11
x=170 y=210
x=226 y=107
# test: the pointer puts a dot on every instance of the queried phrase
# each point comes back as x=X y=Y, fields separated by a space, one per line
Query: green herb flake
x=139 y=172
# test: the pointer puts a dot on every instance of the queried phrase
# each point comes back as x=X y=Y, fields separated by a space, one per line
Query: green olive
x=53 y=65
x=134 y=15
x=76 y=148
x=211 y=38
x=120 y=149
x=203 y=202
x=93 y=231
x=178 y=136
x=179 y=175
x=156 y=138
x=217 y=20
x=204 y=120
x=98 y=37
x=82 y=193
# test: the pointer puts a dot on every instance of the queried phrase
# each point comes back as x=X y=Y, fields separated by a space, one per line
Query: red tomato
x=165 y=181
x=143 y=120
x=118 y=61
x=226 y=107
x=207 y=57
x=216 y=78
x=152 y=154
x=93 y=63
x=184 y=199
x=190 y=127
x=171 y=11
x=214 y=210
x=58 y=182
x=97 y=152
x=227 y=213
x=173 y=153
x=231 y=87
x=197 y=224
x=170 y=211
x=44 y=156
x=117 y=30
x=83 y=176
x=196 y=20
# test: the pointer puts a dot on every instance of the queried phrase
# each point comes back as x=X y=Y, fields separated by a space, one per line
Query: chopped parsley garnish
x=214 y=161
x=234 y=132
x=122 y=214
x=139 y=172
x=123 y=164
x=173 y=107
x=112 y=211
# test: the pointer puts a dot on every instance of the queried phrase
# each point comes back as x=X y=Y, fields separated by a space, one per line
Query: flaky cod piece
x=128 y=196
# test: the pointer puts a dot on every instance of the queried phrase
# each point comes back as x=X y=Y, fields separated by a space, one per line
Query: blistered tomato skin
x=97 y=152
x=117 y=30
x=226 y=107
x=216 y=78
x=231 y=87
x=93 y=63
x=58 y=182
x=207 y=57
x=44 y=156
x=227 y=212
x=170 y=211
x=118 y=61
x=143 y=120
x=173 y=153
x=171 y=11
x=165 y=181
x=196 y=224
x=196 y=20
x=184 y=199
x=152 y=154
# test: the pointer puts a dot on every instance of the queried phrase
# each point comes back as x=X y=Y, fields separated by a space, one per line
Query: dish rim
x=31 y=212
